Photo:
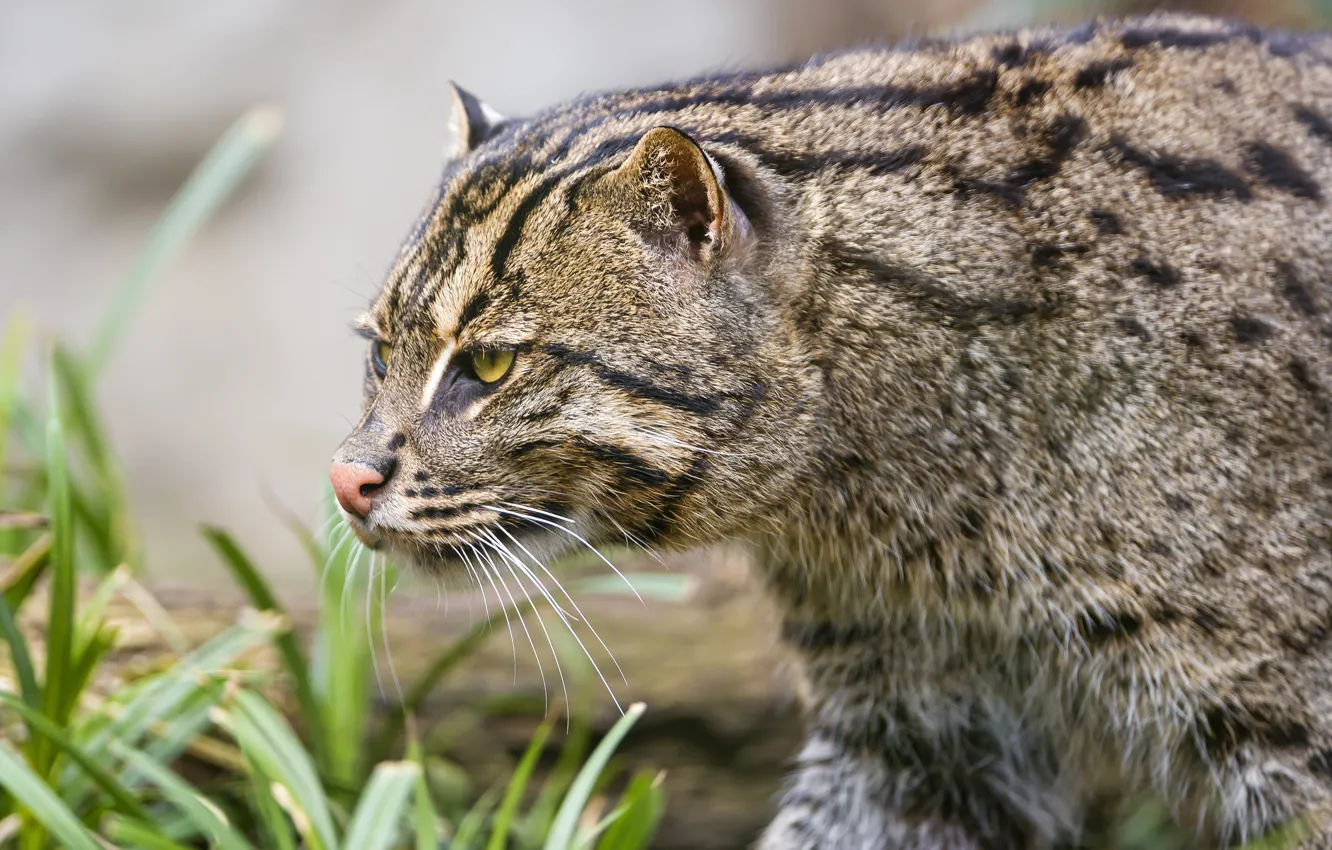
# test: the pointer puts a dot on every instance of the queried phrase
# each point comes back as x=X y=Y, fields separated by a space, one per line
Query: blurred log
x=721 y=721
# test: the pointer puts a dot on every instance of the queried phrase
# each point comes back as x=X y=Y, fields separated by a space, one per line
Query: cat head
x=575 y=347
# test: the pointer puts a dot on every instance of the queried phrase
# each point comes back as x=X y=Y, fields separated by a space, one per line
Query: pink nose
x=353 y=485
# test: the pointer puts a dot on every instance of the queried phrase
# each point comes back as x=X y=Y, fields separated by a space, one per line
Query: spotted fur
x=1010 y=358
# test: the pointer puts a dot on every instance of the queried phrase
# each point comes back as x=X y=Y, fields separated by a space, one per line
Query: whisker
x=370 y=631
x=575 y=535
x=504 y=552
x=479 y=586
x=500 y=549
x=545 y=692
x=517 y=506
x=505 y=611
x=630 y=538
x=541 y=621
x=383 y=625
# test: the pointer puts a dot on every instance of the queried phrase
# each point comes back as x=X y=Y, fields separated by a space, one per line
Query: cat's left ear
x=474 y=121
x=681 y=194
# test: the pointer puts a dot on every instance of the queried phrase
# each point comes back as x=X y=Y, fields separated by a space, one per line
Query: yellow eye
x=491 y=364
x=379 y=354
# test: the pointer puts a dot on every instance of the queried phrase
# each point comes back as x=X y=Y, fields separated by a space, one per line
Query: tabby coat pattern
x=1011 y=360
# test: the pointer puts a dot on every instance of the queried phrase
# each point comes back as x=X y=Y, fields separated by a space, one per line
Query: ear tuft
x=474 y=121
x=685 y=192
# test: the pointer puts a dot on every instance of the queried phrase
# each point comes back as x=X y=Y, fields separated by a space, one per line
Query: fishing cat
x=1010 y=359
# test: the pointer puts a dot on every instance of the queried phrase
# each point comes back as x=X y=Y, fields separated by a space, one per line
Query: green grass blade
x=212 y=181
x=26 y=570
x=19 y=656
x=444 y=663
x=635 y=820
x=666 y=587
x=14 y=344
x=288 y=645
x=377 y=821
x=112 y=532
x=275 y=823
x=341 y=654
x=58 y=694
x=425 y=823
x=499 y=835
x=120 y=797
x=266 y=739
x=137 y=834
x=159 y=698
x=204 y=816
x=561 y=835
x=42 y=803
x=470 y=826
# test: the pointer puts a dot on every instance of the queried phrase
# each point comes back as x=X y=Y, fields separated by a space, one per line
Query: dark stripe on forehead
x=513 y=230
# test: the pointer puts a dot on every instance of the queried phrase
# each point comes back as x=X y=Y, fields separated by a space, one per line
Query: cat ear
x=683 y=191
x=473 y=121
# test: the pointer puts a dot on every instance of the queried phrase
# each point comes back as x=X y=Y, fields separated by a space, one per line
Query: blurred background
x=241 y=375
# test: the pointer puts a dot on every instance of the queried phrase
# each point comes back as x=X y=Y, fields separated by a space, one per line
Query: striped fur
x=1010 y=358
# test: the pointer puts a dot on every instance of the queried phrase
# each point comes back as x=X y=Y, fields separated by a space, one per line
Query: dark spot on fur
x=1294 y=289
x=1178 y=502
x=397 y=442
x=1288 y=733
x=1314 y=121
x=1107 y=223
x=1299 y=370
x=1249 y=330
x=1011 y=55
x=1133 y=327
x=1193 y=339
x=1222 y=729
x=1278 y=169
x=1095 y=74
x=824 y=635
x=1030 y=91
x=1044 y=255
x=972 y=523
x=1185 y=39
x=1060 y=137
x=422 y=476
x=429 y=492
x=1226 y=85
x=411 y=494
x=1178 y=176
x=1161 y=274
x=1321 y=763
x=1106 y=625
x=1207 y=618
x=1160 y=547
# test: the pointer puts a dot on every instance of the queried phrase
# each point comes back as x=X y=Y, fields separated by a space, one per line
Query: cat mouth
x=442 y=538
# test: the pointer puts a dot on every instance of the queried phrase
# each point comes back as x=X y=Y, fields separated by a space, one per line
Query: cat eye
x=379 y=354
x=491 y=364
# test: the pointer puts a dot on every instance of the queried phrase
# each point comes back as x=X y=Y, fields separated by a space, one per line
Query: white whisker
x=504 y=552
x=383 y=625
x=545 y=692
x=370 y=631
x=575 y=535
x=513 y=645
